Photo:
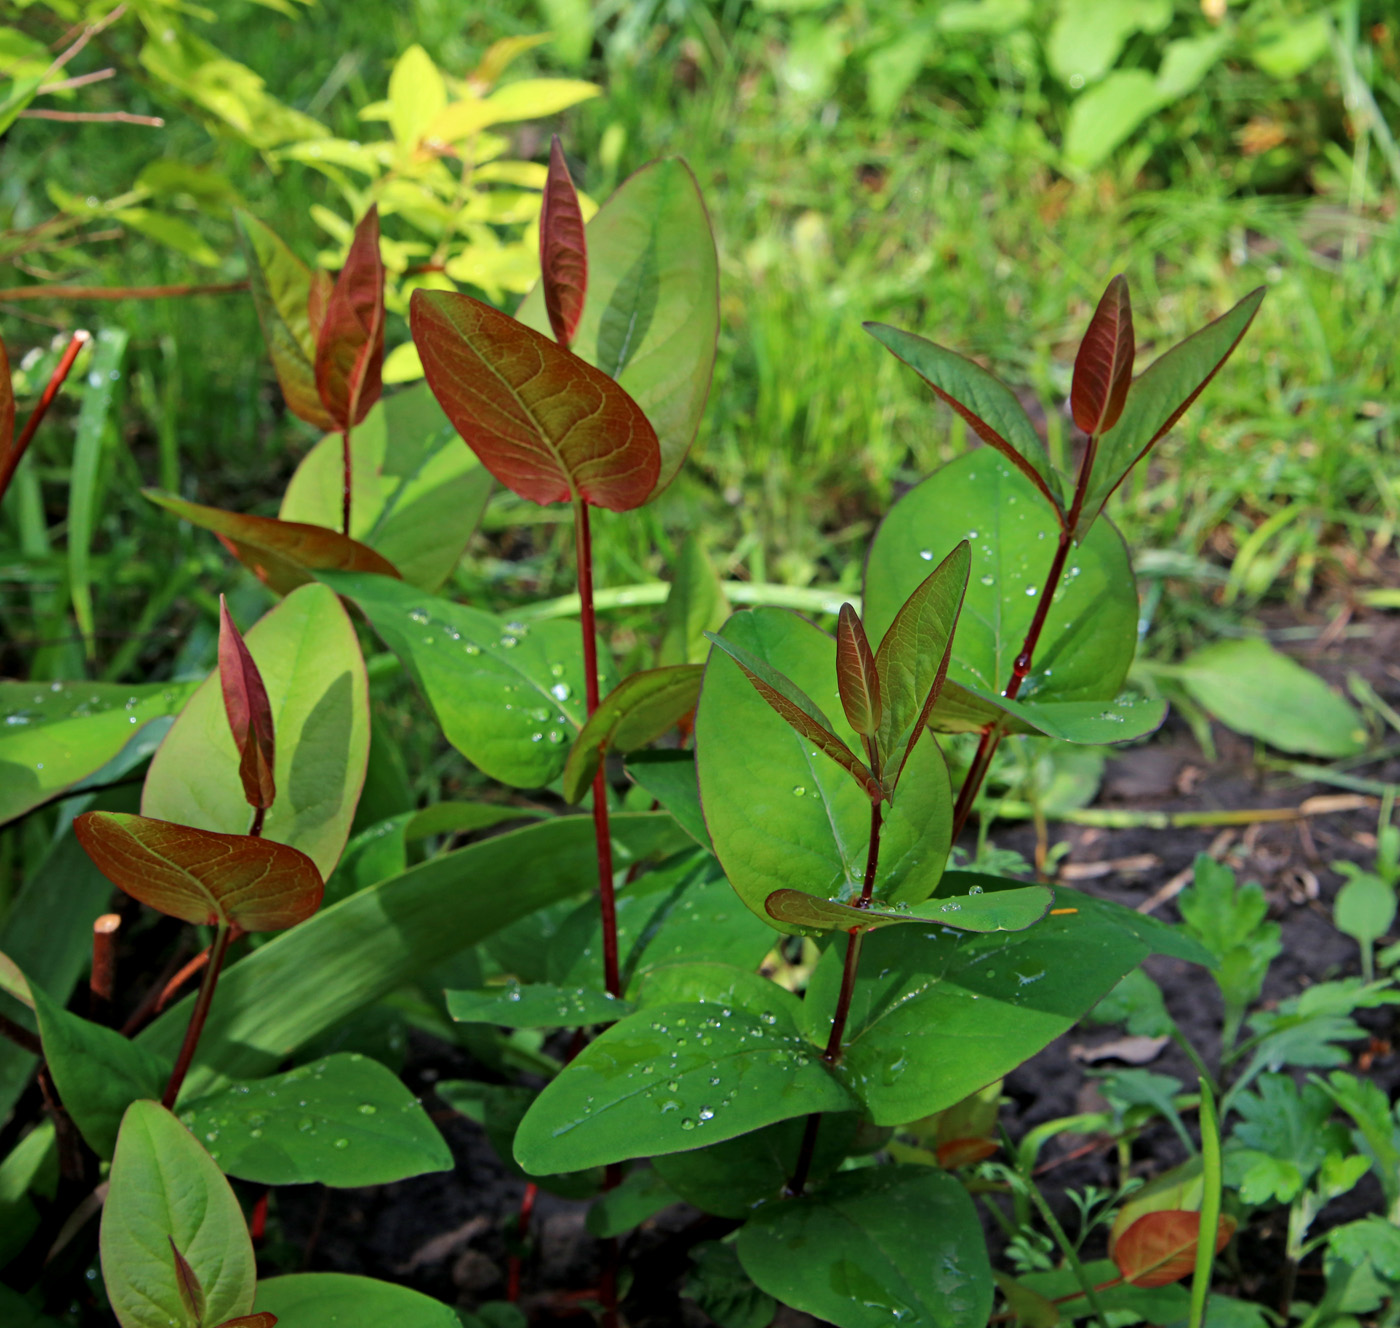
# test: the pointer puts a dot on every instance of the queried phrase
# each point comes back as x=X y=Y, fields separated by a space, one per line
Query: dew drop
x=800 y=790
x=687 y=1124
x=926 y=555
x=368 y=1109
x=1030 y=590
x=342 y=1143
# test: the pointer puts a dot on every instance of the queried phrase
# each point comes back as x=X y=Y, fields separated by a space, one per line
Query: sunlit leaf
x=350 y=344
x=1103 y=369
x=249 y=713
x=563 y=249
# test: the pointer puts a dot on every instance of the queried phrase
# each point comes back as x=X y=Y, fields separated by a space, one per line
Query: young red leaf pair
x=192 y=1296
x=886 y=694
x=249 y=713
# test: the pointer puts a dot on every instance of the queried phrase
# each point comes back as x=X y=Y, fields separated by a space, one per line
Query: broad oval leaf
x=202 y=877
x=57 y=734
x=881 y=1245
x=669 y=776
x=282 y=287
x=563 y=249
x=536 y=1005
x=1103 y=368
x=1160 y=1247
x=1090 y=634
x=1158 y=398
x=652 y=312
x=350 y=341
x=780 y=814
x=320 y=1300
x=999 y=910
x=856 y=678
x=310 y=661
x=509 y=695
x=249 y=713
x=164 y=1187
x=418 y=494
x=988 y=406
x=344 y=1121
x=284 y=554
x=637 y=711
x=545 y=423
x=648 y=1085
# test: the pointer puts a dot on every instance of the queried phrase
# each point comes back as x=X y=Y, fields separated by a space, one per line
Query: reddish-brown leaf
x=1103 y=369
x=199 y=876
x=856 y=679
x=281 y=553
x=964 y=1152
x=263 y=1319
x=7 y=409
x=545 y=423
x=563 y=249
x=249 y=712
x=318 y=298
x=1160 y=1247
x=188 y=1284
x=350 y=341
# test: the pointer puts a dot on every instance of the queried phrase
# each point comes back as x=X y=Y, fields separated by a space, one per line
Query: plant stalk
x=9 y=464
x=217 y=953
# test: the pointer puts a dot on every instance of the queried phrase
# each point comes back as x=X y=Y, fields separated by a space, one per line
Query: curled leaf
x=249 y=712
x=350 y=340
x=1103 y=369
x=563 y=249
x=856 y=678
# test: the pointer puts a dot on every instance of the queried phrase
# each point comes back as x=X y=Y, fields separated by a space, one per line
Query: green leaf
x=308 y=979
x=344 y=1121
x=536 y=1005
x=1365 y=906
x=714 y=983
x=1162 y=393
x=1093 y=723
x=508 y=695
x=418 y=491
x=1155 y=1305
x=164 y=1187
x=718 y=1284
x=937 y=1014
x=309 y=657
x=57 y=734
x=636 y=712
x=652 y=312
x=873 y=1246
x=1090 y=633
x=417 y=96
x=641 y=1195
x=1256 y=690
x=1088 y=35
x=98 y=1073
x=1001 y=910
x=782 y=815
x=988 y=406
x=694 y=606
x=341 y=1300
x=16 y=1311
x=648 y=1086
x=670 y=778
x=1105 y=115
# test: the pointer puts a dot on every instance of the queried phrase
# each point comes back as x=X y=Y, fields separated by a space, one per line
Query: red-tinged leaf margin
x=1103 y=369
x=176 y=870
x=187 y=1284
x=249 y=713
x=283 y=554
x=350 y=343
x=856 y=678
x=262 y=1319
x=800 y=712
x=563 y=248
x=544 y=422
x=1160 y=1247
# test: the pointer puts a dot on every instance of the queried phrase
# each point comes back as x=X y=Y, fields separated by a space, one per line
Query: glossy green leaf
x=1090 y=634
x=344 y=1121
x=283 y=554
x=308 y=979
x=536 y=1005
x=98 y=1073
x=781 y=815
x=636 y=712
x=999 y=910
x=509 y=695
x=164 y=1187
x=418 y=493
x=310 y=660
x=652 y=312
x=987 y=405
x=1159 y=397
x=937 y=1014
x=342 y=1300
x=57 y=734
x=1259 y=691
x=648 y=1086
x=1125 y=717
x=712 y=982
x=669 y=776
x=694 y=606
x=897 y=1244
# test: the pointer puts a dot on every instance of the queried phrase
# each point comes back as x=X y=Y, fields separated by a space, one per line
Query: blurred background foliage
x=974 y=170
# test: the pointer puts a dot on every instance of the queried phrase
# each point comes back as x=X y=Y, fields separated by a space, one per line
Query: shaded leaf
x=1103 y=368
x=563 y=249
x=249 y=713
x=637 y=711
x=536 y=1005
x=669 y=776
x=202 y=877
x=545 y=423
x=284 y=554
x=348 y=1301
x=856 y=679
x=999 y=910
x=624 y=1208
x=1160 y=1247
x=350 y=342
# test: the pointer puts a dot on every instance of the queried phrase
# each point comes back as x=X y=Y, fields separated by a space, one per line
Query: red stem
x=10 y=464
x=345 y=488
x=522 y=1230
x=217 y=952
